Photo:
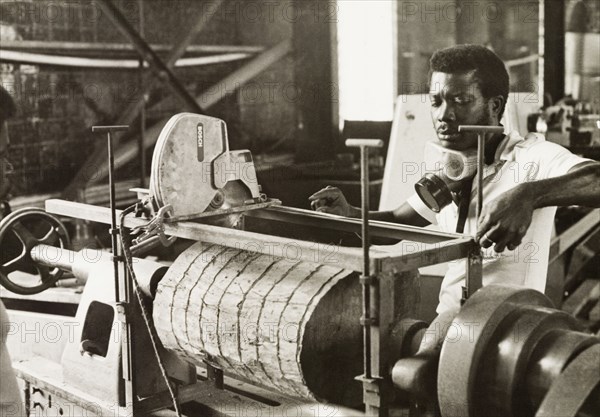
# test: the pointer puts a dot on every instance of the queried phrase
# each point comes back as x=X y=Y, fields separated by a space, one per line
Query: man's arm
x=332 y=200
x=505 y=220
x=580 y=186
x=404 y=214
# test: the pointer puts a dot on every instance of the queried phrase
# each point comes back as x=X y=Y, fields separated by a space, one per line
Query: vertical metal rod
x=366 y=290
x=481 y=131
x=473 y=279
x=120 y=279
x=128 y=355
x=143 y=105
x=480 y=165
x=366 y=279
x=370 y=295
x=141 y=148
x=113 y=214
x=364 y=180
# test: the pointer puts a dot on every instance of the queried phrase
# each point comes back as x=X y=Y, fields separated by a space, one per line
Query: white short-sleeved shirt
x=517 y=160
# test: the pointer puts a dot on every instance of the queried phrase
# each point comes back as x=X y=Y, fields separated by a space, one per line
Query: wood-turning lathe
x=268 y=297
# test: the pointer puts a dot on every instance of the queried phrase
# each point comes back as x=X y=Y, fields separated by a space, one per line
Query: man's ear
x=496 y=104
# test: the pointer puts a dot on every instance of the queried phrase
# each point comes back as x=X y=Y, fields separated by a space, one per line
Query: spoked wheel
x=20 y=232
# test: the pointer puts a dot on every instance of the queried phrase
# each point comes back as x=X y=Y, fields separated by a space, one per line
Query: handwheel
x=20 y=232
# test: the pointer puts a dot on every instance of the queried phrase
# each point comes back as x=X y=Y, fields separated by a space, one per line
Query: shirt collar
x=505 y=149
x=504 y=153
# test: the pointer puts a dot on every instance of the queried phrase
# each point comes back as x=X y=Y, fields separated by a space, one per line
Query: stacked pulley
x=509 y=353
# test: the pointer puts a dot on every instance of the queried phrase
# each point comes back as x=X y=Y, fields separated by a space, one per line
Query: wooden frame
x=389 y=268
x=437 y=246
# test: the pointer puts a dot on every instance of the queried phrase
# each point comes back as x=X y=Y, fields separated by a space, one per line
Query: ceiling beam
x=131 y=111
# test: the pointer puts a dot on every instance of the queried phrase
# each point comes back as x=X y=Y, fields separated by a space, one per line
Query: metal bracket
x=371 y=392
x=121 y=308
x=248 y=205
x=215 y=375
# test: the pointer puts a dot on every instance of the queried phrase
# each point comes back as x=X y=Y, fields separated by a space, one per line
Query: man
x=10 y=399
x=524 y=178
x=7 y=110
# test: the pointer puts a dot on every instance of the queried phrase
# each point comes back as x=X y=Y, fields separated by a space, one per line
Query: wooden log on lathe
x=283 y=324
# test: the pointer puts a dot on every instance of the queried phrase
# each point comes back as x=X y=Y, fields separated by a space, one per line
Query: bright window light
x=365 y=59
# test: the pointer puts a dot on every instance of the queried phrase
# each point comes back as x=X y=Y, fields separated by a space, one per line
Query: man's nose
x=446 y=113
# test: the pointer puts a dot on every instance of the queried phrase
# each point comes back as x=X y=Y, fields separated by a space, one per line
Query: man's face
x=456 y=100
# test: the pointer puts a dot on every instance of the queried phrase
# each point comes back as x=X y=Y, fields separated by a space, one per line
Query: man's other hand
x=331 y=200
x=505 y=220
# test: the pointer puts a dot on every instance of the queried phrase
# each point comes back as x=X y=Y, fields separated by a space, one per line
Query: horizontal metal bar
x=221 y=212
x=481 y=129
x=369 y=143
x=346 y=224
x=101 y=47
x=293 y=249
x=116 y=128
x=53 y=257
x=413 y=255
x=398 y=259
x=85 y=62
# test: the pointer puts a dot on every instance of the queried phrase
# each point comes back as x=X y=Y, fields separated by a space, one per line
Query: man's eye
x=460 y=100
x=435 y=102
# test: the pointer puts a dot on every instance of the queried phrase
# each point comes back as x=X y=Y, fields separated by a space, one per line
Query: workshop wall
x=51 y=117
x=510 y=28
x=51 y=138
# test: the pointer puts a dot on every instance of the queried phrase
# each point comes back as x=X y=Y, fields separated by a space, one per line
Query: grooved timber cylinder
x=283 y=324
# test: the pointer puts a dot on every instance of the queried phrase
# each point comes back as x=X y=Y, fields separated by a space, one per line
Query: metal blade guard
x=194 y=171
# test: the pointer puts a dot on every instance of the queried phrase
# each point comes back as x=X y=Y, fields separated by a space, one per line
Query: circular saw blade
x=182 y=172
x=235 y=194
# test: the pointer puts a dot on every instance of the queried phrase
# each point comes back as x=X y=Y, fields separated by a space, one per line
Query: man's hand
x=331 y=200
x=505 y=220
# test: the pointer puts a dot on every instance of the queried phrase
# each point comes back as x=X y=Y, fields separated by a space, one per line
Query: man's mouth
x=448 y=135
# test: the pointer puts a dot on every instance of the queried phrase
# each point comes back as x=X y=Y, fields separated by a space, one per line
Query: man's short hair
x=489 y=70
x=7 y=106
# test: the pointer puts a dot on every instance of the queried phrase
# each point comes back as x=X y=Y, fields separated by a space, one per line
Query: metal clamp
x=118 y=258
x=368 y=321
x=367 y=280
x=156 y=228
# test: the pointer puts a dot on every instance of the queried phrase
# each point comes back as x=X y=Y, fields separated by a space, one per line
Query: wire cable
x=126 y=244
